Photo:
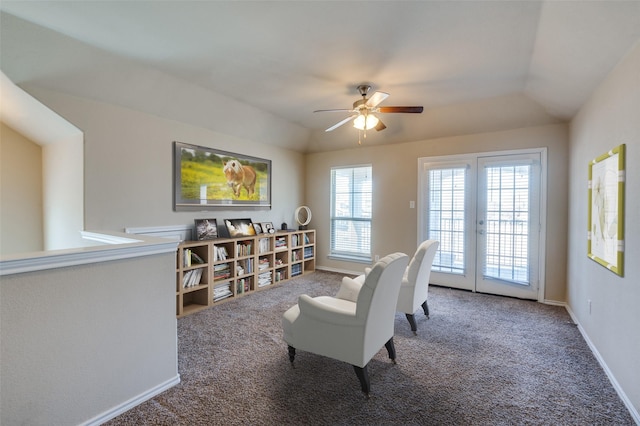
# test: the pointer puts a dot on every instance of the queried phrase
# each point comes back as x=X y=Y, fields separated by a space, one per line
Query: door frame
x=473 y=157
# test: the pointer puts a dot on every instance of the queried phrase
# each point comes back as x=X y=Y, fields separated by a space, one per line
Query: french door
x=487 y=211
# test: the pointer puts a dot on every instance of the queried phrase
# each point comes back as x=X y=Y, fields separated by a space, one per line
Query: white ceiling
x=474 y=65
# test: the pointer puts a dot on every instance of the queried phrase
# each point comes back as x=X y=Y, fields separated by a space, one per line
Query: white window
x=351 y=206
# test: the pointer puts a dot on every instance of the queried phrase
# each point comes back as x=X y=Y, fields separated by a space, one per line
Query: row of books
x=263 y=264
x=243 y=285
x=192 y=278
x=244 y=267
x=222 y=291
x=244 y=249
x=220 y=253
x=264 y=279
x=281 y=243
x=281 y=275
x=295 y=239
x=221 y=271
x=296 y=269
x=264 y=245
x=308 y=252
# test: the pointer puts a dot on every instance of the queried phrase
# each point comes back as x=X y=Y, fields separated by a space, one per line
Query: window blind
x=351 y=208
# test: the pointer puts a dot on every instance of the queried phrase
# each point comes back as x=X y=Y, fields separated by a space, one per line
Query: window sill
x=350 y=258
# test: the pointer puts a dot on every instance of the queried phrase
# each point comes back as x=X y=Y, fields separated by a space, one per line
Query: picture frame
x=258 y=228
x=240 y=227
x=209 y=178
x=605 y=237
x=206 y=229
x=267 y=228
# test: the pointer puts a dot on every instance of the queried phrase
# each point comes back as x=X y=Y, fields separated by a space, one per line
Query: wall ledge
x=110 y=246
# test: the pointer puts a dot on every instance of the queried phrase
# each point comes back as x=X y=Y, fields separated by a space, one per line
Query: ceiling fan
x=364 y=110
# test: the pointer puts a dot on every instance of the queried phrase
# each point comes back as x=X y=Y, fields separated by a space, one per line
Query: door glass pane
x=507 y=224
x=446 y=218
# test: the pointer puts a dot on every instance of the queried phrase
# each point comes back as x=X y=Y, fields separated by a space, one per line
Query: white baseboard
x=623 y=396
x=135 y=401
x=554 y=303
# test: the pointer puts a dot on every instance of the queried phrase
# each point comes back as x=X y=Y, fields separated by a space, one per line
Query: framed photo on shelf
x=258 y=228
x=267 y=228
x=240 y=227
x=605 y=241
x=210 y=178
x=206 y=229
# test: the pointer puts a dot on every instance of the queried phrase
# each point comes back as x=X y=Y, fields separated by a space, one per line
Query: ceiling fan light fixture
x=367 y=122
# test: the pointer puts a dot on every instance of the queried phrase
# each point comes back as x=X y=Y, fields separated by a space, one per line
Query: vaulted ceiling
x=474 y=65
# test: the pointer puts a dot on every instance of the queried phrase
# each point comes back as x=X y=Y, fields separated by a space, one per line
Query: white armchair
x=414 y=290
x=353 y=325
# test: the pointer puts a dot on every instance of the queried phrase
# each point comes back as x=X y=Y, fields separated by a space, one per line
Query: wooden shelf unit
x=215 y=271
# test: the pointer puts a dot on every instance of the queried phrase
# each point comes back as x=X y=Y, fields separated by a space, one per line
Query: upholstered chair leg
x=391 y=349
x=425 y=308
x=363 y=376
x=292 y=354
x=412 y=322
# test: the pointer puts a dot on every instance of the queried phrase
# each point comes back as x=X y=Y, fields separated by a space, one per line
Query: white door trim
x=458 y=159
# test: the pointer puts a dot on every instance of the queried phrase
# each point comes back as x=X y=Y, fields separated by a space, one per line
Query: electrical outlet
x=376 y=258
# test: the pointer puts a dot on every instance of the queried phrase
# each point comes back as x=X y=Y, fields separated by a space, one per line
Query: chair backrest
x=377 y=301
x=419 y=271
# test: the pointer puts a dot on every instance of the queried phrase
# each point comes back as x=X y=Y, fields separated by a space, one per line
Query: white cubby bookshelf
x=215 y=271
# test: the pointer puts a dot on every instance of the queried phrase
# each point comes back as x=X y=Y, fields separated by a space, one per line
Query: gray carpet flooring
x=479 y=360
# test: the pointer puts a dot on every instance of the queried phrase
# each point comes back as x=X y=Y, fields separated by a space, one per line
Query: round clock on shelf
x=303 y=216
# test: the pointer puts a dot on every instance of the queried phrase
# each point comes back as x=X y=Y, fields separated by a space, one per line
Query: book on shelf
x=186 y=258
x=263 y=264
x=306 y=239
x=222 y=291
x=196 y=259
x=281 y=243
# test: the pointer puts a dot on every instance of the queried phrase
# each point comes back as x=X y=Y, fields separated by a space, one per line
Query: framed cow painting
x=210 y=178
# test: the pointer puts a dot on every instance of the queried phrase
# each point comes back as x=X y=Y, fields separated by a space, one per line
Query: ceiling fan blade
x=376 y=98
x=334 y=110
x=380 y=126
x=403 y=109
x=335 y=126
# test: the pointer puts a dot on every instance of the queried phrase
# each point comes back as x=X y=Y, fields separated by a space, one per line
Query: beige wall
x=610 y=118
x=395 y=183
x=129 y=169
x=21 y=217
x=81 y=341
